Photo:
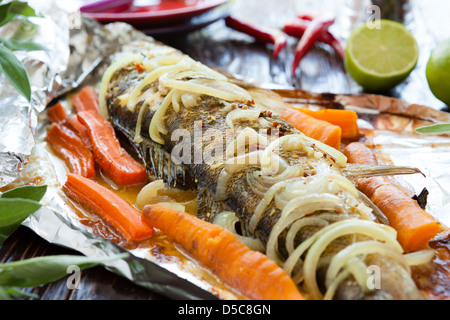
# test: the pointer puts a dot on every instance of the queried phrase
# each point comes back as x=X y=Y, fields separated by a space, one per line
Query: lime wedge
x=378 y=59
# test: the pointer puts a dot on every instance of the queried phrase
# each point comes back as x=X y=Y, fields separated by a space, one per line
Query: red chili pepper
x=305 y=16
x=311 y=35
x=262 y=34
x=298 y=27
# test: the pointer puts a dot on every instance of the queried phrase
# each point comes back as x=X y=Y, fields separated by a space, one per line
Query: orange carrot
x=249 y=272
x=415 y=227
x=86 y=100
x=320 y=130
x=69 y=146
x=110 y=207
x=345 y=119
x=79 y=128
x=57 y=113
x=115 y=161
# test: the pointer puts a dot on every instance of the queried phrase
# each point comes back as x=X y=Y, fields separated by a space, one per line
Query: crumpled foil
x=78 y=50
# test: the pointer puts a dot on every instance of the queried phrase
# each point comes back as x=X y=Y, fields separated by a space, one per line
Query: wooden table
x=236 y=53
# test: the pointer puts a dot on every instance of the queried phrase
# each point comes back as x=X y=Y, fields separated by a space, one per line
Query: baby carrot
x=69 y=146
x=57 y=113
x=415 y=227
x=86 y=100
x=249 y=272
x=346 y=119
x=115 y=161
x=79 y=128
x=110 y=207
x=320 y=130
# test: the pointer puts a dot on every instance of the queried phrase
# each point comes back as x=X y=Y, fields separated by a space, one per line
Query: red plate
x=164 y=13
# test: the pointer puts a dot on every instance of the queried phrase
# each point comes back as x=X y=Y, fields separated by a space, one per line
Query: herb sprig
x=18 y=204
x=10 y=65
x=15 y=206
x=439 y=128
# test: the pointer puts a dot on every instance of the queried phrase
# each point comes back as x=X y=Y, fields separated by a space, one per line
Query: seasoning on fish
x=287 y=190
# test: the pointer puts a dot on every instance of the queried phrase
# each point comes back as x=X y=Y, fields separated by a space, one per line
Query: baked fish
x=283 y=193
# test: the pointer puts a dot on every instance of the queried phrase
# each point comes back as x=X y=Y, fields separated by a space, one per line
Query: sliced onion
x=345 y=184
x=175 y=100
x=287 y=173
x=232 y=166
x=221 y=187
x=175 y=205
x=163 y=60
x=148 y=193
x=333 y=217
x=294 y=257
x=204 y=86
x=157 y=123
x=419 y=257
x=260 y=183
x=375 y=210
x=144 y=107
x=211 y=72
x=150 y=79
x=298 y=225
x=334 y=285
x=244 y=138
x=189 y=99
x=228 y=220
x=296 y=209
x=240 y=162
x=339 y=157
x=256 y=187
x=265 y=201
x=368 y=228
x=108 y=74
x=266 y=159
x=241 y=114
x=361 y=248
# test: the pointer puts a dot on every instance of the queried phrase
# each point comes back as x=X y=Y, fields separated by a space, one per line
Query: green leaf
x=35 y=193
x=435 y=129
x=10 y=10
x=15 y=72
x=15 y=45
x=36 y=271
x=26 y=31
x=13 y=212
x=13 y=293
x=4 y=294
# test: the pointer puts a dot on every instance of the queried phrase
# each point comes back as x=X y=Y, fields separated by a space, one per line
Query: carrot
x=415 y=227
x=69 y=146
x=57 y=113
x=320 y=130
x=250 y=272
x=110 y=207
x=86 y=100
x=346 y=119
x=78 y=127
x=115 y=161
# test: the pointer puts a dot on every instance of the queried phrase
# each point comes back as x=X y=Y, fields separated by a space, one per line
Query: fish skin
x=241 y=198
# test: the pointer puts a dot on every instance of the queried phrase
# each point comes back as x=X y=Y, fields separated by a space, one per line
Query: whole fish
x=286 y=194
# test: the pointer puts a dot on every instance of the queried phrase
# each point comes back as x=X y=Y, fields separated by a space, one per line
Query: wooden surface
x=218 y=46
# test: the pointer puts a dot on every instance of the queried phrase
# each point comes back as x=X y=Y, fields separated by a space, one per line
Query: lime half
x=378 y=59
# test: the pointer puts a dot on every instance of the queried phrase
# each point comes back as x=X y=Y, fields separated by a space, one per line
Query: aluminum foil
x=78 y=50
